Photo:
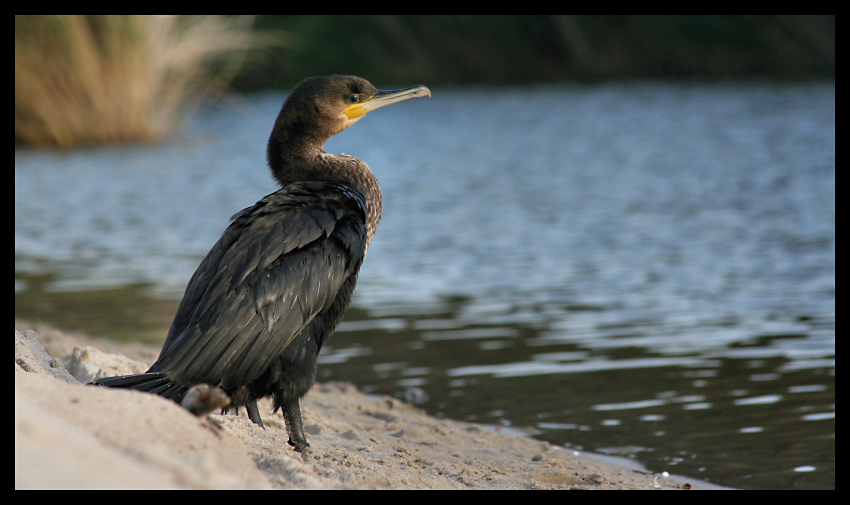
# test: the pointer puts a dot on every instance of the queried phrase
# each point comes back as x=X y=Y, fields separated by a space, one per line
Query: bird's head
x=321 y=107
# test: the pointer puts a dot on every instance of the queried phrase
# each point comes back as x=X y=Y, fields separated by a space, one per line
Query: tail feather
x=151 y=382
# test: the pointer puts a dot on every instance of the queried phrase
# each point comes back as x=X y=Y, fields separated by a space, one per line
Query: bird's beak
x=382 y=98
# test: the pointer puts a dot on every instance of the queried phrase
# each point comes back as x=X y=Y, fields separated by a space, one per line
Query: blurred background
x=613 y=233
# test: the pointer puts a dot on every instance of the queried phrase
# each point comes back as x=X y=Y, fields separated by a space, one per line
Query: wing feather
x=278 y=265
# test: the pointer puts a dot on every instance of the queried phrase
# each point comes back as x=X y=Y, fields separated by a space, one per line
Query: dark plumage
x=273 y=288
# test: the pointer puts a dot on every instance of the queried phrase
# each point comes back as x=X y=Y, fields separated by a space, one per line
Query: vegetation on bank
x=105 y=79
x=99 y=79
x=522 y=49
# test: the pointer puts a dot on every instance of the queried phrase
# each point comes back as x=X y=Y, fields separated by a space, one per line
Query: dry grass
x=106 y=79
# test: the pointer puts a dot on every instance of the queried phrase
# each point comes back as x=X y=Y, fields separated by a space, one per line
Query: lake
x=639 y=269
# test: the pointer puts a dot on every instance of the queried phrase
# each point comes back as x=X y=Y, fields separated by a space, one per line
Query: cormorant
x=273 y=288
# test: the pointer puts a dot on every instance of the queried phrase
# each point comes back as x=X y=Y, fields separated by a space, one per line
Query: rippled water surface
x=645 y=270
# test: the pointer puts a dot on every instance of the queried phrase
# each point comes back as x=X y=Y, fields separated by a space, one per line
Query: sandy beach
x=69 y=435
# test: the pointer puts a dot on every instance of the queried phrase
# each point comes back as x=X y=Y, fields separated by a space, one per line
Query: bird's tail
x=150 y=382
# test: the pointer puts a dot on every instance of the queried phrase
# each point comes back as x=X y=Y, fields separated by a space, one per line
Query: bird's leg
x=254 y=413
x=292 y=416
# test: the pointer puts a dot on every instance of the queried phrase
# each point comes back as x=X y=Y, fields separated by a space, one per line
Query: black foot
x=292 y=416
x=300 y=446
x=254 y=413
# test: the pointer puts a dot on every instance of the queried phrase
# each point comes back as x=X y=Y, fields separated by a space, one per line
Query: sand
x=69 y=435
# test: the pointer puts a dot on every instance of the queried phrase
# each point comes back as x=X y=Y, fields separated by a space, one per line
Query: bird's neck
x=309 y=162
x=294 y=162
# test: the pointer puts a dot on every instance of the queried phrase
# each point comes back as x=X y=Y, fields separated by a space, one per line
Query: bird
x=271 y=291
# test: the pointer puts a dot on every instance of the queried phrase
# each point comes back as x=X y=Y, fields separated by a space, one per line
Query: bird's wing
x=278 y=265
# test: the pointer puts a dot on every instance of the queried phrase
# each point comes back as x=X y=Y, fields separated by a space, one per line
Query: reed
x=107 y=79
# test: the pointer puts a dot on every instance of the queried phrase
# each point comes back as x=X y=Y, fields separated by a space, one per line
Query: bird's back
x=289 y=260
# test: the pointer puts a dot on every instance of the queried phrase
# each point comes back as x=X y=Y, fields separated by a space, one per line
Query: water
x=645 y=270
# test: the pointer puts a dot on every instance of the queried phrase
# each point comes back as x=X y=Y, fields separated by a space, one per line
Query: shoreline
x=68 y=435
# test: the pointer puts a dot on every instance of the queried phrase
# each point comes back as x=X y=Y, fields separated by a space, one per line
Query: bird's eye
x=353 y=98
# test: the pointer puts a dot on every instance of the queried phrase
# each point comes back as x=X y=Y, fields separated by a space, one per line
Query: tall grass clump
x=107 y=79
